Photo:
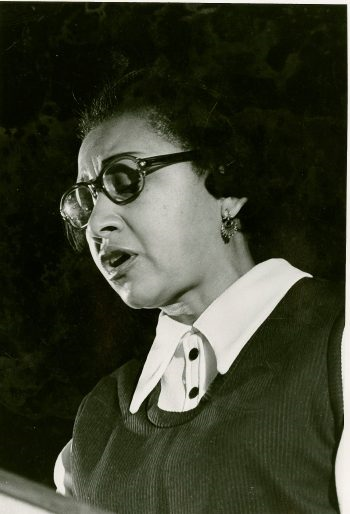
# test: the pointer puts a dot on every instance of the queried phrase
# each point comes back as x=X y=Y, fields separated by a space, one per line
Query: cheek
x=172 y=236
x=165 y=228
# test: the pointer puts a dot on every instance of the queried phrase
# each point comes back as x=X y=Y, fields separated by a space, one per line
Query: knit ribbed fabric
x=262 y=440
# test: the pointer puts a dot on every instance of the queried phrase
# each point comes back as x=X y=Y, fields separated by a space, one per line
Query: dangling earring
x=229 y=226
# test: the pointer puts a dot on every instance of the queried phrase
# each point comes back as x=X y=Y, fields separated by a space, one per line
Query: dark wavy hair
x=186 y=112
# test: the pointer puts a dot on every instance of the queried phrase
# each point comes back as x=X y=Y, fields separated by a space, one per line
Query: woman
x=237 y=407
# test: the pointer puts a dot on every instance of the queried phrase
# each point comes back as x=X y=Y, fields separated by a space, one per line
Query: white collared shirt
x=216 y=337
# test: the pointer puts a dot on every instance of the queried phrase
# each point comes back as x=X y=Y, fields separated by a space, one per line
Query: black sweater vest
x=262 y=440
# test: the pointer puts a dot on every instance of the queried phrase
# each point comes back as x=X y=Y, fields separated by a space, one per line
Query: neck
x=181 y=312
x=217 y=279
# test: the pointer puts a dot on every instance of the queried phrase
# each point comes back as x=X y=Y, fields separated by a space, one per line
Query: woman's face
x=161 y=248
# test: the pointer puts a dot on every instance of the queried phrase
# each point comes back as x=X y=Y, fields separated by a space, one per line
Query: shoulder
x=304 y=331
x=308 y=325
x=102 y=409
x=314 y=305
x=311 y=312
x=111 y=394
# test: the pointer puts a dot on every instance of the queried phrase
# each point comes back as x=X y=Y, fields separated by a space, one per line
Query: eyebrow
x=117 y=156
x=86 y=175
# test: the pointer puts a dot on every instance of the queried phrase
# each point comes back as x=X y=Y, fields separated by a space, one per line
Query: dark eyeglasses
x=122 y=179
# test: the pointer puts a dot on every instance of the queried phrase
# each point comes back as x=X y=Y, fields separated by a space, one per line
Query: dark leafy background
x=61 y=327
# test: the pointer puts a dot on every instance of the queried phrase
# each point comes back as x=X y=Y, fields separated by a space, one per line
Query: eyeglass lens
x=78 y=205
x=122 y=179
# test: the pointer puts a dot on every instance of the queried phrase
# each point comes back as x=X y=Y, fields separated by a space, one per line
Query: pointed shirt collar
x=228 y=323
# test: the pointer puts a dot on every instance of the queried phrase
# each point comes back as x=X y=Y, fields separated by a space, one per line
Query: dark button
x=193 y=354
x=193 y=393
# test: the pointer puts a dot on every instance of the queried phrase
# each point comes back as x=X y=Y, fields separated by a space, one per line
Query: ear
x=232 y=205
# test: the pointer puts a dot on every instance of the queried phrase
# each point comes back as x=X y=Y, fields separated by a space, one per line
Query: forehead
x=128 y=133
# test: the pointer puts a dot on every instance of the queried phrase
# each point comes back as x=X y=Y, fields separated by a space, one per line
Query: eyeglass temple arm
x=171 y=158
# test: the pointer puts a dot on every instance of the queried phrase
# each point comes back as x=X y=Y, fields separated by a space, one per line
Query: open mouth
x=114 y=261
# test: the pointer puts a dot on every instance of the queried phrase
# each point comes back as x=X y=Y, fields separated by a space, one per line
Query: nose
x=105 y=218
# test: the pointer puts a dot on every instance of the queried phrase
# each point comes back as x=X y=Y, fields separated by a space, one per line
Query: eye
x=122 y=179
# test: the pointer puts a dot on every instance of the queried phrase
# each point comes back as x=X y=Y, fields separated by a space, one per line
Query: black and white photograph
x=172 y=257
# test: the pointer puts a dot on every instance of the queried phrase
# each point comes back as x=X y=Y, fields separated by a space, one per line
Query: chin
x=135 y=298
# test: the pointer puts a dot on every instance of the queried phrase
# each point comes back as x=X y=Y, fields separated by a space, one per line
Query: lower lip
x=122 y=269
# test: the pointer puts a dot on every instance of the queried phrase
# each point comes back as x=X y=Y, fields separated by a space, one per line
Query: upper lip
x=111 y=258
